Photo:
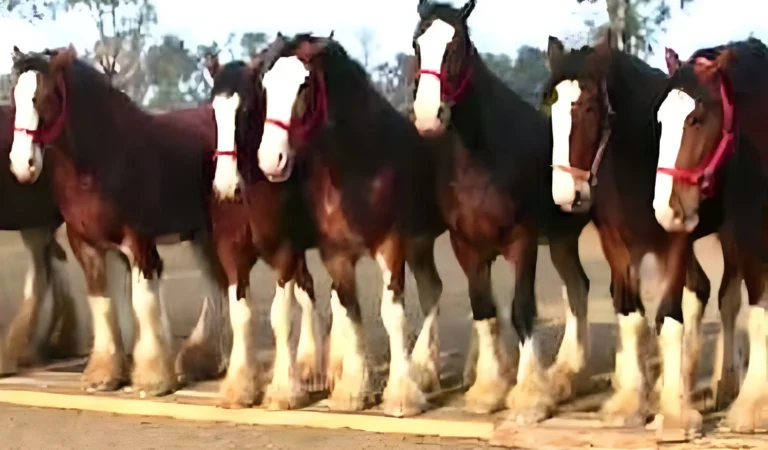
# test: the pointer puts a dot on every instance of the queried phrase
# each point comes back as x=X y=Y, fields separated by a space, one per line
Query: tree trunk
x=617 y=14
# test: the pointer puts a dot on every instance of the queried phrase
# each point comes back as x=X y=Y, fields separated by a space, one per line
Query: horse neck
x=488 y=102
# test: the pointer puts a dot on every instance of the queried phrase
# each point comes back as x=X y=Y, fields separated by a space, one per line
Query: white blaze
x=281 y=84
x=563 y=187
x=432 y=45
x=672 y=114
x=23 y=150
x=226 y=179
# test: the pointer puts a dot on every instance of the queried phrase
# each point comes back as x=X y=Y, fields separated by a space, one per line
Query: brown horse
x=713 y=149
x=255 y=219
x=109 y=163
x=370 y=183
x=31 y=210
x=604 y=157
x=493 y=185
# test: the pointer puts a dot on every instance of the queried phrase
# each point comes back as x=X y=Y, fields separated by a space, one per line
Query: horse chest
x=474 y=207
x=356 y=211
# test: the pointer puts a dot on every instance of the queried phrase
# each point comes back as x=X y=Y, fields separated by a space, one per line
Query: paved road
x=37 y=429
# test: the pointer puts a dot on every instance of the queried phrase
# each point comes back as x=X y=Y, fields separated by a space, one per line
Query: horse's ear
x=673 y=61
x=467 y=9
x=330 y=36
x=17 y=54
x=212 y=64
x=609 y=43
x=555 y=53
x=725 y=59
x=422 y=8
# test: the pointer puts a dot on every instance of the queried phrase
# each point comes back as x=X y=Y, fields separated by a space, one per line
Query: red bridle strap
x=45 y=136
x=451 y=93
x=317 y=114
x=703 y=173
x=230 y=153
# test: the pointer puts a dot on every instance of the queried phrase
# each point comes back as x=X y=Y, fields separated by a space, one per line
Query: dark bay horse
x=369 y=179
x=493 y=185
x=713 y=149
x=254 y=218
x=31 y=210
x=605 y=148
x=109 y=171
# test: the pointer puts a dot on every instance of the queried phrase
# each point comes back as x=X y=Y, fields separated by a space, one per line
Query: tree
x=31 y=10
x=394 y=80
x=633 y=27
x=366 y=37
x=123 y=26
x=169 y=68
x=252 y=43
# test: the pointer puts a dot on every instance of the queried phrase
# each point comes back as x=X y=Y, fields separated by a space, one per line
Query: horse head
x=39 y=103
x=296 y=104
x=577 y=99
x=444 y=55
x=698 y=134
x=238 y=105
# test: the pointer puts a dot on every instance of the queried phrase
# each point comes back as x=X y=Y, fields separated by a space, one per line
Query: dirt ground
x=182 y=290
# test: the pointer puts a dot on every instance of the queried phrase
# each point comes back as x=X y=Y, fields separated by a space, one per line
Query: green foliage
x=251 y=43
x=168 y=66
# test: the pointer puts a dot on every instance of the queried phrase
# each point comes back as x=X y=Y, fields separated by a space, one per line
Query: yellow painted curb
x=311 y=419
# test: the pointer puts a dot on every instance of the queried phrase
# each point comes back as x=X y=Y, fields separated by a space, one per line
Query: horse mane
x=748 y=70
x=358 y=113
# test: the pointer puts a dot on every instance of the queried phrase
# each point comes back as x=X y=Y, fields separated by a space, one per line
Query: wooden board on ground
x=577 y=427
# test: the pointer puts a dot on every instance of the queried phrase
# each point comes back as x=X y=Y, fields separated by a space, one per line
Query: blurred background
x=157 y=48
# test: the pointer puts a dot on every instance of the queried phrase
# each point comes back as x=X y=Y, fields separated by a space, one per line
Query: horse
x=369 y=181
x=109 y=163
x=31 y=211
x=255 y=219
x=493 y=185
x=713 y=149
x=605 y=150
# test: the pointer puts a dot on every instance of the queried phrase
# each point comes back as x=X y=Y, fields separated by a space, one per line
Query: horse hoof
x=103 y=373
x=485 y=399
x=158 y=389
x=282 y=398
x=528 y=416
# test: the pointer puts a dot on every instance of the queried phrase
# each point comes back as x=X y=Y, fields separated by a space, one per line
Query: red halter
x=451 y=94
x=301 y=128
x=45 y=136
x=703 y=174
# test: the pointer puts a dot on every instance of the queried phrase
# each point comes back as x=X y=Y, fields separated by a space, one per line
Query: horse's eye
x=34 y=101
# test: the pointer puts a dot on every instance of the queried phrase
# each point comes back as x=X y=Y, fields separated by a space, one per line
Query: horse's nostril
x=31 y=162
x=279 y=158
x=577 y=198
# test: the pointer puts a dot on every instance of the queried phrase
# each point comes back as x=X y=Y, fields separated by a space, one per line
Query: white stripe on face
x=281 y=84
x=226 y=179
x=432 y=45
x=26 y=156
x=563 y=187
x=672 y=114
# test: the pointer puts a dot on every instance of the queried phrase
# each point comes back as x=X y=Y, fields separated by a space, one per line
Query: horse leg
x=402 y=396
x=106 y=367
x=203 y=355
x=426 y=352
x=153 y=370
x=675 y=407
x=727 y=367
x=348 y=368
x=746 y=412
x=574 y=349
x=487 y=393
x=628 y=406
x=284 y=392
x=241 y=382
x=308 y=356
x=695 y=297
x=22 y=348
x=64 y=335
x=532 y=399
